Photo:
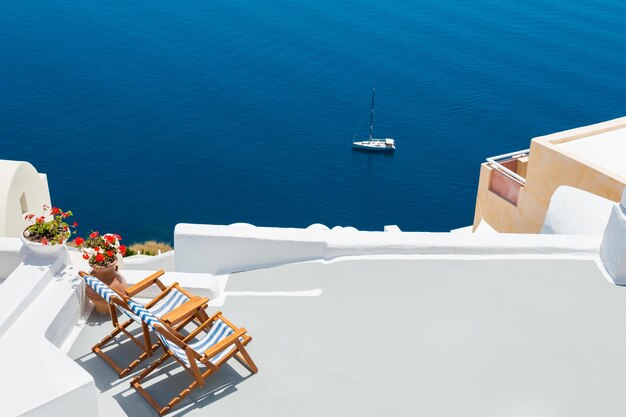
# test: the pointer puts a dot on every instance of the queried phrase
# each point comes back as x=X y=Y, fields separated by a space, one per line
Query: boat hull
x=374 y=146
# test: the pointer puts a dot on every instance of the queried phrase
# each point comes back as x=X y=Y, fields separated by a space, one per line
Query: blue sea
x=145 y=114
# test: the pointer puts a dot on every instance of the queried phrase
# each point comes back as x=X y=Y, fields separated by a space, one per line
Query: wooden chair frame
x=178 y=318
x=238 y=352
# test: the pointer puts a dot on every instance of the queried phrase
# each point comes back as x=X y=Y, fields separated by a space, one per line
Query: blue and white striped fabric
x=218 y=332
x=171 y=301
x=143 y=313
x=100 y=287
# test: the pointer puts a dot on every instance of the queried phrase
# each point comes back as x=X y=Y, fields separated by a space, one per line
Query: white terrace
x=346 y=322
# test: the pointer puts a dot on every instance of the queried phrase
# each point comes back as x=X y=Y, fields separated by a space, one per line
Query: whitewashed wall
x=613 y=249
x=225 y=249
x=576 y=212
x=164 y=261
x=39 y=308
x=10 y=256
x=22 y=189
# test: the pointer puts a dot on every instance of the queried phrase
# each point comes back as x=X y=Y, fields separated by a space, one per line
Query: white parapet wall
x=576 y=212
x=613 y=249
x=22 y=190
x=224 y=249
x=10 y=256
x=164 y=261
x=39 y=307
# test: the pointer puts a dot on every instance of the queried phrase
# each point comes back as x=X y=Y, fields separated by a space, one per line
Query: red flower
x=85 y=256
x=65 y=228
x=123 y=249
x=110 y=239
x=39 y=220
x=75 y=224
x=97 y=249
x=94 y=235
x=118 y=237
x=56 y=210
x=44 y=241
x=79 y=241
x=29 y=217
x=60 y=241
x=110 y=254
x=99 y=257
x=66 y=214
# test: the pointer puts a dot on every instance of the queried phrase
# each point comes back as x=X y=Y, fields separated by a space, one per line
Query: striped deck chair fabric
x=170 y=302
x=170 y=299
x=202 y=356
x=218 y=332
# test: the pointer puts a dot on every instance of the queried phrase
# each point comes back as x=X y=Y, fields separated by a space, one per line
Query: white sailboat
x=380 y=145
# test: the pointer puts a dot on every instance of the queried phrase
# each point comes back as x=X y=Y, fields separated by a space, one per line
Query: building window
x=23 y=203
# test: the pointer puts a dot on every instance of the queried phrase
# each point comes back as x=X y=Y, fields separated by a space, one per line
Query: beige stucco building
x=514 y=190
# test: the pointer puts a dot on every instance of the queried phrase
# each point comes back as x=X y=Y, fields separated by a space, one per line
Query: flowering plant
x=100 y=250
x=49 y=228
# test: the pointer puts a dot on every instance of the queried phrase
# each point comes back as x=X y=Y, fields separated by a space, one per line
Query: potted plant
x=101 y=252
x=49 y=232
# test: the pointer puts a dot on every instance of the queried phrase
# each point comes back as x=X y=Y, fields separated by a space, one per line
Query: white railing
x=493 y=161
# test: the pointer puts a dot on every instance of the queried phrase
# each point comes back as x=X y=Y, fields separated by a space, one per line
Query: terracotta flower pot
x=110 y=276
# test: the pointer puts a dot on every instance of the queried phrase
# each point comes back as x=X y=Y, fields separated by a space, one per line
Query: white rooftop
x=406 y=337
x=606 y=150
x=343 y=322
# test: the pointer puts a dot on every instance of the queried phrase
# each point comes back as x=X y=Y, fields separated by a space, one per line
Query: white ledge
x=224 y=249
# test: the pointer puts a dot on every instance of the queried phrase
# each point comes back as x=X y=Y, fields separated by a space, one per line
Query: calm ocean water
x=149 y=113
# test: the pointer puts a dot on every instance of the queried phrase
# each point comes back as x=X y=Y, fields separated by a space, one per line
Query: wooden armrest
x=184 y=311
x=146 y=283
x=217 y=348
x=203 y=326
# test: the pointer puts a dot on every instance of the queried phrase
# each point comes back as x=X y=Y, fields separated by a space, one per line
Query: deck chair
x=202 y=352
x=173 y=305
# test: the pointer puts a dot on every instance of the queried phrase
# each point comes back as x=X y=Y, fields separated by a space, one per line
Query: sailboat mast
x=372 y=114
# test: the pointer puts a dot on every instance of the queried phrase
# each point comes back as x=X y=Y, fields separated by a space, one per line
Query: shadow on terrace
x=119 y=398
